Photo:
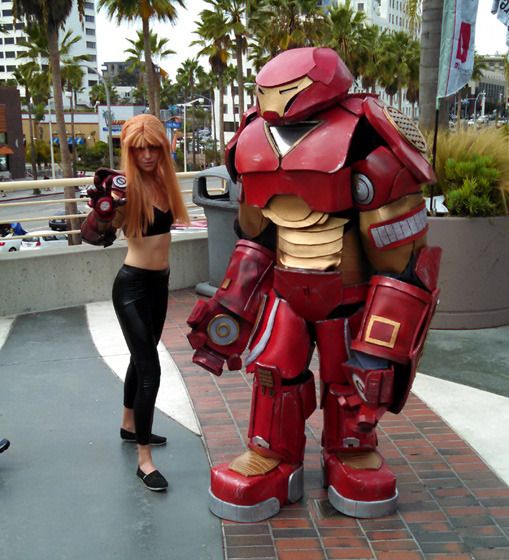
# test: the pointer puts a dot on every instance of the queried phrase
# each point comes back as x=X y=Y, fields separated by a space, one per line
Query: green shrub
x=470 y=187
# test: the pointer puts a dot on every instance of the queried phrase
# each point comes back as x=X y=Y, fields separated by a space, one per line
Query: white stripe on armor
x=264 y=339
x=397 y=231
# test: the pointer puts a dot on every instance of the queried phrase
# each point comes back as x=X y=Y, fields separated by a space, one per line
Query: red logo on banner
x=464 y=41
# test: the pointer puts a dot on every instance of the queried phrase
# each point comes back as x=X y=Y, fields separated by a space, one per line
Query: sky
x=112 y=39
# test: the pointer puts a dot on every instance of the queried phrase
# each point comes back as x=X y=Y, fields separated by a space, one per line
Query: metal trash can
x=221 y=210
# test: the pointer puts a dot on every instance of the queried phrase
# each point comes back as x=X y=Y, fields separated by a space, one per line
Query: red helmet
x=299 y=82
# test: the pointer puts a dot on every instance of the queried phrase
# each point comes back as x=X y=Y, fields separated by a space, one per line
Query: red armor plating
x=369 y=335
x=406 y=153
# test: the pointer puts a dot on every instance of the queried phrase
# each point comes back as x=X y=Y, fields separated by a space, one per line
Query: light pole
x=483 y=94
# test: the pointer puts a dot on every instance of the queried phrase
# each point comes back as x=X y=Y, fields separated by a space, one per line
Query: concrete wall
x=54 y=278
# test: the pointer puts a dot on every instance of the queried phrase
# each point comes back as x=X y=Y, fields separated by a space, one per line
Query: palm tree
x=412 y=92
x=52 y=14
x=235 y=11
x=187 y=75
x=368 y=58
x=72 y=77
x=344 y=27
x=230 y=77
x=35 y=84
x=136 y=59
x=279 y=25
x=207 y=82
x=397 y=50
x=130 y=10
x=215 y=43
x=98 y=94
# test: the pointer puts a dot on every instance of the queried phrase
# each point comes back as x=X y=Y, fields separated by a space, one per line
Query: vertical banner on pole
x=456 y=46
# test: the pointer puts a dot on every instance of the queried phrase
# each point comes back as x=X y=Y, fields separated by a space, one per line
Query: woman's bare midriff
x=150 y=253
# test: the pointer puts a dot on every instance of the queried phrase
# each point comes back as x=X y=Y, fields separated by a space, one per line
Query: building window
x=9 y=40
x=7 y=13
x=10 y=54
x=90 y=19
x=92 y=83
x=10 y=68
x=90 y=31
x=90 y=70
x=8 y=26
x=20 y=25
x=2 y=68
x=229 y=126
x=360 y=7
x=89 y=5
x=1 y=54
x=90 y=45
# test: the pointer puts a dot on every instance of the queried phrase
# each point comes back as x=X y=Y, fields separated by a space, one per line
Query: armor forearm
x=96 y=231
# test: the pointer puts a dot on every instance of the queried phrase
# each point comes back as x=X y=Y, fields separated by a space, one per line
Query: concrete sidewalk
x=68 y=489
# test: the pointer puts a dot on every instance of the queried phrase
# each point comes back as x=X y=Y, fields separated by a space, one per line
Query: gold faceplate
x=276 y=98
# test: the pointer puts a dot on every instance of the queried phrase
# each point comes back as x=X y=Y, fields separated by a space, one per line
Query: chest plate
x=305 y=159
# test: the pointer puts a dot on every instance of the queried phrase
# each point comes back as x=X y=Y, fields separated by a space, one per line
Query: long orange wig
x=138 y=132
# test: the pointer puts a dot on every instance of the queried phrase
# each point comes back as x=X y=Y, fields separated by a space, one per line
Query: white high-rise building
x=9 y=48
x=387 y=14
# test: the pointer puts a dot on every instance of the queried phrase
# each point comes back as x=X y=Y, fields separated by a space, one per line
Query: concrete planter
x=474 y=275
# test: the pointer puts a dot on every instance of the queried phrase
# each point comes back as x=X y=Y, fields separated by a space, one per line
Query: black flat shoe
x=154 y=481
x=130 y=437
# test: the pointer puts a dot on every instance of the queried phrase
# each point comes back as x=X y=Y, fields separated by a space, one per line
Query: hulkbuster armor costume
x=332 y=254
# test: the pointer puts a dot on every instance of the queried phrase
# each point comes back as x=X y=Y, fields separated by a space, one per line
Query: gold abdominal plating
x=306 y=239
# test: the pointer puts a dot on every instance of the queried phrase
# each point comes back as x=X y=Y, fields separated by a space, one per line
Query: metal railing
x=10 y=186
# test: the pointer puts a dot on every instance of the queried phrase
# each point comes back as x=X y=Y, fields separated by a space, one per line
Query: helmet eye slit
x=286 y=90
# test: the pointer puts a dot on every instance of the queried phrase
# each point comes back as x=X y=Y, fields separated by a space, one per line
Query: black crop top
x=161 y=224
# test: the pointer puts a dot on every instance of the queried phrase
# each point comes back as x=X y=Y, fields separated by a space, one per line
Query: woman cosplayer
x=144 y=200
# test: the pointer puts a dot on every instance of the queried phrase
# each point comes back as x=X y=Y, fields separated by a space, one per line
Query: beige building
x=86 y=128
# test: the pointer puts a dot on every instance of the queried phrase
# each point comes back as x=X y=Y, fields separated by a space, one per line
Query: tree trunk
x=74 y=155
x=157 y=94
x=70 y=207
x=428 y=70
x=213 y=121
x=220 y=84
x=232 y=93
x=149 y=71
x=240 y=74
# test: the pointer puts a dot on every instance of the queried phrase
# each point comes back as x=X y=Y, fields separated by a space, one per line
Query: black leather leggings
x=140 y=298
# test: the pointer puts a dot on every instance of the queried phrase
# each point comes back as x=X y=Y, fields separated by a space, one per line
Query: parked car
x=43 y=239
x=60 y=224
x=8 y=245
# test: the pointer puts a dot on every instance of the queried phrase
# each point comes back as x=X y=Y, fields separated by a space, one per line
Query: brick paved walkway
x=451 y=506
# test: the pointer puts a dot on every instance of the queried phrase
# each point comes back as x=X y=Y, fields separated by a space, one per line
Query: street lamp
x=483 y=94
